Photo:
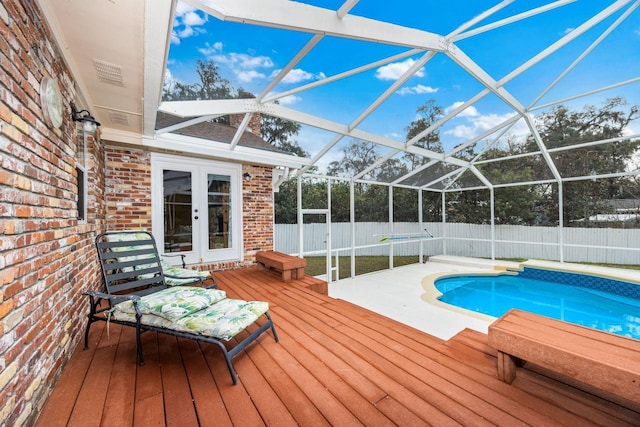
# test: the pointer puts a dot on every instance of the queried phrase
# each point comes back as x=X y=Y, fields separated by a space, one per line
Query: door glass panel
x=177 y=198
x=219 y=211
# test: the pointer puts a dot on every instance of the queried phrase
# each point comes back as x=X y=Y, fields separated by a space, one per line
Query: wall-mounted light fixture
x=247 y=176
x=89 y=123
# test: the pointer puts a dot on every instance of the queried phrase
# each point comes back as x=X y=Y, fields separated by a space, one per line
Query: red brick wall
x=128 y=201
x=257 y=211
x=46 y=258
x=128 y=189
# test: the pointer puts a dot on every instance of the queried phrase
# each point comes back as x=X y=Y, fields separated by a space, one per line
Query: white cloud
x=192 y=19
x=185 y=32
x=479 y=123
x=188 y=22
x=210 y=50
x=248 y=76
x=174 y=38
x=183 y=8
x=396 y=69
x=169 y=80
x=285 y=100
x=297 y=75
x=244 y=61
x=289 y=99
x=417 y=90
x=632 y=128
x=244 y=66
x=470 y=111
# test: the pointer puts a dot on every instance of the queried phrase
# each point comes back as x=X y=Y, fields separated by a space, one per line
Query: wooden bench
x=605 y=362
x=290 y=266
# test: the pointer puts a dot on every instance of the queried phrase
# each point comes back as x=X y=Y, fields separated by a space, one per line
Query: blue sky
x=249 y=56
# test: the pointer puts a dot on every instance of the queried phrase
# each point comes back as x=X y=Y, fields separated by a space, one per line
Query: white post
x=493 y=224
x=444 y=224
x=352 y=218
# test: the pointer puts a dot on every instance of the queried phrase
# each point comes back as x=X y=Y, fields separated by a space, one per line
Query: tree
x=211 y=86
x=357 y=156
x=562 y=127
x=278 y=131
x=428 y=114
x=274 y=130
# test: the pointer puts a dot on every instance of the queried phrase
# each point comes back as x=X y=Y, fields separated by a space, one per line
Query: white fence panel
x=599 y=245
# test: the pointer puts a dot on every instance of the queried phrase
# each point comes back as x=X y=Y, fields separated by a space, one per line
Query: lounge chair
x=173 y=275
x=138 y=295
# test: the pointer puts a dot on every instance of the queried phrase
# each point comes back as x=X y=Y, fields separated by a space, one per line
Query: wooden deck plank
x=325 y=373
x=526 y=411
x=334 y=370
x=268 y=404
x=92 y=396
x=299 y=404
x=66 y=391
x=149 y=379
x=208 y=403
x=436 y=362
x=400 y=365
x=367 y=363
x=178 y=405
x=586 y=405
x=119 y=405
x=149 y=411
x=236 y=399
x=336 y=364
x=399 y=414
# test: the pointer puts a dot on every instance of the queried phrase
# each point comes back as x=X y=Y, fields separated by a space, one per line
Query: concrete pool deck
x=399 y=293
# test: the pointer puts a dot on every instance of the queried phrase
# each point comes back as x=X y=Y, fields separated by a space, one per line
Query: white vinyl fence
x=598 y=245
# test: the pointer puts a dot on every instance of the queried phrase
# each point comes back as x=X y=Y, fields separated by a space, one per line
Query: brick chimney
x=254 y=122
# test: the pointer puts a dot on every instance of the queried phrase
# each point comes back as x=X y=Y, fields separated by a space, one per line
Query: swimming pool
x=601 y=303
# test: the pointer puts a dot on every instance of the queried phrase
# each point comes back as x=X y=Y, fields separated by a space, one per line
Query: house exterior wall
x=47 y=257
x=257 y=211
x=128 y=188
x=128 y=195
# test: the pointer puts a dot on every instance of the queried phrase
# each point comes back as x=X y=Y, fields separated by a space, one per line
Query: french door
x=197 y=207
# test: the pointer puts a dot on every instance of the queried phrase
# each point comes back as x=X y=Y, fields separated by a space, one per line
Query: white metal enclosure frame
x=320 y=23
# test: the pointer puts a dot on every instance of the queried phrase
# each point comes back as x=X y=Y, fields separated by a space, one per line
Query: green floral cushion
x=146 y=319
x=174 y=303
x=181 y=275
x=223 y=319
x=125 y=237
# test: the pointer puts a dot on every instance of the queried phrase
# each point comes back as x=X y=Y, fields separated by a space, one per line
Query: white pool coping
x=405 y=294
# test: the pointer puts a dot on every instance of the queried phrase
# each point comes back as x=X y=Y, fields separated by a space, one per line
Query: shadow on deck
x=336 y=364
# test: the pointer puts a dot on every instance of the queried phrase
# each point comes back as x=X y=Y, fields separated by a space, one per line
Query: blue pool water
x=599 y=303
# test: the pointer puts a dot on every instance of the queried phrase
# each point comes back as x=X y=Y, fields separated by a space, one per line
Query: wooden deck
x=336 y=364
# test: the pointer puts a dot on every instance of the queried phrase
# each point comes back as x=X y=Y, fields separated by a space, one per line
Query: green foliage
x=357 y=156
x=211 y=86
x=279 y=132
x=520 y=205
x=427 y=114
x=563 y=127
x=525 y=205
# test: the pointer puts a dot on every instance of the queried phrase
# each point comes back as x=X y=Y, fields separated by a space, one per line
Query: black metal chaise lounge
x=138 y=295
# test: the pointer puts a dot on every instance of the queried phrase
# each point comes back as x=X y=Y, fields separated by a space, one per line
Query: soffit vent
x=119 y=118
x=109 y=73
